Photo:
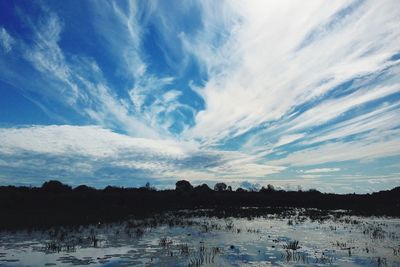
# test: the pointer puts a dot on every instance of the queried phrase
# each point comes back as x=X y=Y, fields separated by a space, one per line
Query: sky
x=297 y=94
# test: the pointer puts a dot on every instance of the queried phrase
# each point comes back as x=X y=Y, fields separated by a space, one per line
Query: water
x=290 y=239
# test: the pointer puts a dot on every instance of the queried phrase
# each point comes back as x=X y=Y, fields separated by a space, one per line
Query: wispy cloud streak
x=205 y=91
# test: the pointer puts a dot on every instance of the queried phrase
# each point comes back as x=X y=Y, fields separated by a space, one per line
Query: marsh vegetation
x=209 y=237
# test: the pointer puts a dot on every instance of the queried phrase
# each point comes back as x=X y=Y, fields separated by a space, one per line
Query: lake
x=291 y=237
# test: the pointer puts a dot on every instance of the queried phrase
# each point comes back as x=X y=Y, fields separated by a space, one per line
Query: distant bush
x=269 y=188
x=84 y=189
x=204 y=188
x=183 y=185
x=148 y=187
x=54 y=186
x=241 y=190
x=313 y=190
x=220 y=187
x=40 y=207
x=112 y=189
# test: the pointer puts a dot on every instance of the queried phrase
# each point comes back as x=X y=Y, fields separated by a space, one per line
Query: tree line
x=55 y=203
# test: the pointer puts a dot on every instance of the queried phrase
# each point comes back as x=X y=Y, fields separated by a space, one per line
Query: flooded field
x=290 y=238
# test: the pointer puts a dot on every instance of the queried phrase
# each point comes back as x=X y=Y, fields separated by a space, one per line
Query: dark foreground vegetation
x=58 y=204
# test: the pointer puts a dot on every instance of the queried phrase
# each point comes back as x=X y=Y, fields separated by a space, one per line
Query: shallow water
x=172 y=240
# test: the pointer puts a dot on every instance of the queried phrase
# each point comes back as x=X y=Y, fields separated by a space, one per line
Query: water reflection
x=290 y=238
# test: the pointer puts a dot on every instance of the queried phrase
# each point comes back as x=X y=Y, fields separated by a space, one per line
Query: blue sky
x=290 y=93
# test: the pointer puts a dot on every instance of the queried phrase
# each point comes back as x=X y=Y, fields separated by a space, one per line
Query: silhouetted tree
x=241 y=190
x=22 y=207
x=313 y=190
x=220 y=187
x=84 y=188
x=54 y=186
x=299 y=188
x=203 y=188
x=148 y=187
x=229 y=188
x=112 y=189
x=183 y=185
x=269 y=188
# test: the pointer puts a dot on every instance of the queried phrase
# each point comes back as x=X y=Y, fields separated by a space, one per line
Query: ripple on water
x=276 y=240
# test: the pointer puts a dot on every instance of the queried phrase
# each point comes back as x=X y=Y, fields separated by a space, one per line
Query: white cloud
x=258 y=73
x=91 y=141
x=322 y=170
x=373 y=148
x=119 y=27
x=124 y=34
x=271 y=71
x=47 y=57
x=98 y=148
x=333 y=108
x=78 y=79
x=287 y=139
x=242 y=166
x=379 y=120
x=6 y=40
